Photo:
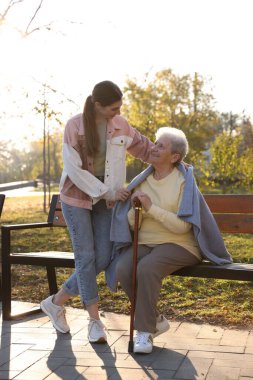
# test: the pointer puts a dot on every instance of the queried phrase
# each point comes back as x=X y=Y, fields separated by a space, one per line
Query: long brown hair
x=106 y=93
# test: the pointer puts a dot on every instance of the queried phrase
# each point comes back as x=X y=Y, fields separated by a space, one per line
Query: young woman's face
x=108 y=112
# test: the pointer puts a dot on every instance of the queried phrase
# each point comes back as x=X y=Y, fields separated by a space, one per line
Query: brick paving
x=32 y=350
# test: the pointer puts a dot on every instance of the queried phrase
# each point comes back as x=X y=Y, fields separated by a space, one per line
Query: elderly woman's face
x=161 y=152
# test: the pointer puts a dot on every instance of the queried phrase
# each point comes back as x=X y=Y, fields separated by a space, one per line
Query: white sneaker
x=56 y=314
x=162 y=325
x=143 y=343
x=96 y=331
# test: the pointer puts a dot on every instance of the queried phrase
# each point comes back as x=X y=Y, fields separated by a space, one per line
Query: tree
x=230 y=168
x=34 y=164
x=49 y=116
x=27 y=27
x=4 y=158
x=247 y=133
x=18 y=165
x=172 y=100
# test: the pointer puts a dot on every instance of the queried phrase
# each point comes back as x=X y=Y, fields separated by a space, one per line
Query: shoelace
x=142 y=338
x=98 y=324
x=61 y=313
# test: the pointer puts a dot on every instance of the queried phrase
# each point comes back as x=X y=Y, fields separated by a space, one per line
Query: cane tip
x=130 y=346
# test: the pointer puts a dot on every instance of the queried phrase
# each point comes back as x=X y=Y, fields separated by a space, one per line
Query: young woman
x=94 y=147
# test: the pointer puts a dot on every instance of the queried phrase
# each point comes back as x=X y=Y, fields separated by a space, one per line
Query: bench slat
x=50 y=258
x=230 y=203
x=235 y=223
x=235 y=271
x=47 y=254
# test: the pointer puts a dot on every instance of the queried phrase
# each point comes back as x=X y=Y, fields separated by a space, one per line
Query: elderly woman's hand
x=143 y=198
x=135 y=195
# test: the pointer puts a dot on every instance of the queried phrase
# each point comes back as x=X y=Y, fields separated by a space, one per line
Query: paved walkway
x=32 y=350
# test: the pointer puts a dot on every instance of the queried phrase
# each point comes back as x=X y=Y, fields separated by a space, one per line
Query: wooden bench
x=233 y=213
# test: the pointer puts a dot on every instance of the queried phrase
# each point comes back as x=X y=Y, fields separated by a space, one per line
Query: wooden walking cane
x=137 y=208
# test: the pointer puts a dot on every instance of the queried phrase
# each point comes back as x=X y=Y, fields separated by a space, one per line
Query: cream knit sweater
x=161 y=224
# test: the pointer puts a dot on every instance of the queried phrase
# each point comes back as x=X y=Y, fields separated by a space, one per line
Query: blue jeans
x=90 y=235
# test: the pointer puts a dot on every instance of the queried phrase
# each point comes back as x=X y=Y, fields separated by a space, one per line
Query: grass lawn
x=194 y=300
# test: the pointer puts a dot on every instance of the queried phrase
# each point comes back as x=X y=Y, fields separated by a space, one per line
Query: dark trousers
x=154 y=264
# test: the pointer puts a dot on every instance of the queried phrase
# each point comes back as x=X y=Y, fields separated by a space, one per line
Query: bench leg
x=6 y=281
x=1 y=289
x=51 y=277
x=6 y=296
x=6 y=275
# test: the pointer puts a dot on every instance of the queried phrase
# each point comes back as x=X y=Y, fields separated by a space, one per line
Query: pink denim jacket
x=78 y=186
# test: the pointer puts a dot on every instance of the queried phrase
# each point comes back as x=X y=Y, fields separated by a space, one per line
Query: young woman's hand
x=186 y=165
x=122 y=194
x=110 y=204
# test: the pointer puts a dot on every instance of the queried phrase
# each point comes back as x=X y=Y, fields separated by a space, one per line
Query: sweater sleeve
x=83 y=179
x=169 y=220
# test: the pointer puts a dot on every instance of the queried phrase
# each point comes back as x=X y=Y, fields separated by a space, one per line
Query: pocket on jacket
x=118 y=147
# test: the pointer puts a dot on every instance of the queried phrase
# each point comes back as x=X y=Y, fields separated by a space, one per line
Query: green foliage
x=171 y=100
x=225 y=161
x=18 y=165
x=230 y=166
x=220 y=144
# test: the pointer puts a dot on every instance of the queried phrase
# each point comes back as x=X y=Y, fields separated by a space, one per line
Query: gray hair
x=177 y=139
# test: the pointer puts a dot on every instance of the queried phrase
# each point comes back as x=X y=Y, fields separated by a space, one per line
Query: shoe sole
x=142 y=352
x=52 y=320
x=99 y=341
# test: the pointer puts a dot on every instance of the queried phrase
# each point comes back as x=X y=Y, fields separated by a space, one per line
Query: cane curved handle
x=137 y=203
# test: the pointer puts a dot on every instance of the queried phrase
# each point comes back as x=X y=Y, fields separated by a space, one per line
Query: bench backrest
x=2 y=198
x=233 y=213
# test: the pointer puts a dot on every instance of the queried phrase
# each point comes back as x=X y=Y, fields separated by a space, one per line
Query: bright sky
x=116 y=39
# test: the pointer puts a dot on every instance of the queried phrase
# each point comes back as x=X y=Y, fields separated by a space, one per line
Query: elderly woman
x=166 y=241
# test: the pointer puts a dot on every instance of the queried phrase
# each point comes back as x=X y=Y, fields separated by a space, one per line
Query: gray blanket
x=193 y=209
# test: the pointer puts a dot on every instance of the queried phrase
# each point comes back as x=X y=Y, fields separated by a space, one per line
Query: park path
x=32 y=350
